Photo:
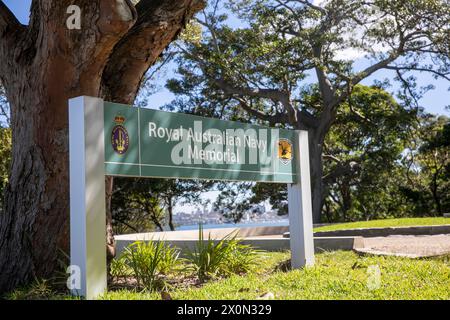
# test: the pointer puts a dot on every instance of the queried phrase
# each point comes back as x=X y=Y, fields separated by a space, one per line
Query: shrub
x=242 y=258
x=119 y=267
x=59 y=279
x=170 y=260
x=221 y=257
x=208 y=256
x=147 y=261
x=40 y=289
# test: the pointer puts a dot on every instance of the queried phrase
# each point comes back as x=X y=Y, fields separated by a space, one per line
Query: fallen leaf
x=166 y=296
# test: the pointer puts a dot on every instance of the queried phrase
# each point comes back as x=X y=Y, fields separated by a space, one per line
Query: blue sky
x=434 y=101
x=20 y=8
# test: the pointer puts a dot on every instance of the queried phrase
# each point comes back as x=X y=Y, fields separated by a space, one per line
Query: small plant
x=170 y=260
x=221 y=257
x=149 y=260
x=242 y=258
x=119 y=267
x=40 y=289
x=59 y=279
x=208 y=257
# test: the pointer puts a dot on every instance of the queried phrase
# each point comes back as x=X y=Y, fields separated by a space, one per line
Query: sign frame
x=88 y=200
x=137 y=132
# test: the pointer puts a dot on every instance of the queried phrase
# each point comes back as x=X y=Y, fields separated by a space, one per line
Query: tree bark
x=43 y=65
x=157 y=223
x=317 y=133
x=435 y=193
x=170 y=211
x=316 y=165
x=110 y=241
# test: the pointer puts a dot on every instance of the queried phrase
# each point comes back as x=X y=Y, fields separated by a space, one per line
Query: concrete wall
x=218 y=233
x=264 y=238
x=385 y=232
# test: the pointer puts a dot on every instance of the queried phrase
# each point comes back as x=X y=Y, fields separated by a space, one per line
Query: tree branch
x=341 y=169
x=158 y=24
x=313 y=6
x=373 y=68
x=7 y=19
x=211 y=30
x=443 y=75
x=359 y=77
x=272 y=119
x=331 y=157
x=292 y=114
x=407 y=88
x=126 y=224
x=10 y=32
x=273 y=94
x=325 y=86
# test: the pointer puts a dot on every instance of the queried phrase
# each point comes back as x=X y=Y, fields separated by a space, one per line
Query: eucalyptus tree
x=105 y=52
x=138 y=204
x=364 y=151
x=428 y=167
x=363 y=171
x=135 y=208
x=259 y=70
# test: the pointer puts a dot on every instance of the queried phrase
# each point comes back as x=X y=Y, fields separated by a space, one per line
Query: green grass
x=337 y=275
x=403 y=222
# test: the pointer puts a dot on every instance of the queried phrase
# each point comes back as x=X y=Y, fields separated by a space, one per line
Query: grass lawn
x=403 y=222
x=337 y=275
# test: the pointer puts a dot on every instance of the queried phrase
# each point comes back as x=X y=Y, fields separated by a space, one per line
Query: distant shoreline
x=284 y=222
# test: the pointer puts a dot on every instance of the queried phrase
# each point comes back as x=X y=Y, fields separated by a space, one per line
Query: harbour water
x=237 y=225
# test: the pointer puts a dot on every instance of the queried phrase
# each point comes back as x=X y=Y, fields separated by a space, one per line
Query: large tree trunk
x=316 y=167
x=110 y=241
x=42 y=66
x=435 y=193
x=35 y=221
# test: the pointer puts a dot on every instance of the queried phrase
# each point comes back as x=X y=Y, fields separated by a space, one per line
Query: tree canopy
x=283 y=49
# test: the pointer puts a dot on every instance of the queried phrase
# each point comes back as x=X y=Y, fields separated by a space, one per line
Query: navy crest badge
x=120 y=140
x=285 y=151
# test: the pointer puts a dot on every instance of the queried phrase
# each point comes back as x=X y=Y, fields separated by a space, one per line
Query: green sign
x=151 y=143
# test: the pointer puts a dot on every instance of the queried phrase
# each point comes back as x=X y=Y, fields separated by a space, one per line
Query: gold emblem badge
x=120 y=140
x=285 y=151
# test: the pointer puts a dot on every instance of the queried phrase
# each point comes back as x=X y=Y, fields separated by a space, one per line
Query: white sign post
x=300 y=208
x=87 y=195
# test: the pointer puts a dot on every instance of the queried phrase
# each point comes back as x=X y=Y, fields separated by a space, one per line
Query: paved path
x=408 y=246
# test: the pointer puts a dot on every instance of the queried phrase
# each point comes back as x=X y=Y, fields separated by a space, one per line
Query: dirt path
x=408 y=246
